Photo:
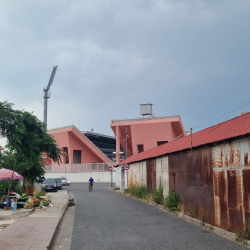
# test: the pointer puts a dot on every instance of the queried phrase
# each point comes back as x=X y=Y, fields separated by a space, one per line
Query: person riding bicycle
x=91 y=182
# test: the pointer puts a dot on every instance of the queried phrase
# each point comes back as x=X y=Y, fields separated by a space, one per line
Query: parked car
x=59 y=184
x=50 y=185
x=64 y=181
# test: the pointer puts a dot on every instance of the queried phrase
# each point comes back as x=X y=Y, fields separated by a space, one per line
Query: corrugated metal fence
x=212 y=183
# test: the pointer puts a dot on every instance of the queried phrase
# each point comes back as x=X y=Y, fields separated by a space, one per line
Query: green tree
x=27 y=140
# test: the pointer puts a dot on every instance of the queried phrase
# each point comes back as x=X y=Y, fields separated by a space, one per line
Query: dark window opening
x=77 y=156
x=93 y=165
x=66 y=155
x=140 y=148
x=161 y=142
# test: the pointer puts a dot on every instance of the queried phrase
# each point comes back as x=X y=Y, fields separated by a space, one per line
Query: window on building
x=77 y=156
x=65 y=155
x=161 y=142
x=140 y=148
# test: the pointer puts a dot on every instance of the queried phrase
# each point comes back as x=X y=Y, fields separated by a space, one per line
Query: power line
x=201 y=125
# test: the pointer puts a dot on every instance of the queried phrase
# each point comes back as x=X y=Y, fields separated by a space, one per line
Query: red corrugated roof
x=232 y=128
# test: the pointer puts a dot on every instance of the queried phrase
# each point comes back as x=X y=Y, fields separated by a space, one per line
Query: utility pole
x=46 y=96
x=126 y=139
x=191 y=139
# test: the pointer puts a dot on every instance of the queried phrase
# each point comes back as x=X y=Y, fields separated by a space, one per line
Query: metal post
x=191 y=139
x=111 y=178
x=65 y=155
x=45 y=105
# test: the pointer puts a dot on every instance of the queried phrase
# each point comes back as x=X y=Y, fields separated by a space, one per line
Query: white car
x=64 y=181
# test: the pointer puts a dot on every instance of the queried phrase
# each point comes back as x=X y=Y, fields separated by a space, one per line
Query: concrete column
x=117 y=144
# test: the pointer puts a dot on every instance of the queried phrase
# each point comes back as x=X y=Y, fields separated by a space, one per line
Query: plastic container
x=5 y=203
x=13 y=207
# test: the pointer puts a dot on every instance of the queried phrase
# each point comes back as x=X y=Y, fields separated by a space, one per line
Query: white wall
x=118 y=177
x=163 y=173
x=84 y=177
x=137 y=174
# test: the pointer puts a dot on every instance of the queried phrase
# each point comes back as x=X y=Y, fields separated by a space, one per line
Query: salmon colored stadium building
x=137 y=135
x=76 y=147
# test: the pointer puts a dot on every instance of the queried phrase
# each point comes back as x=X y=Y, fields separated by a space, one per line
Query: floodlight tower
x=46 y=92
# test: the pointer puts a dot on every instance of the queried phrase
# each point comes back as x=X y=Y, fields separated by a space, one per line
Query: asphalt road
x=107 y=220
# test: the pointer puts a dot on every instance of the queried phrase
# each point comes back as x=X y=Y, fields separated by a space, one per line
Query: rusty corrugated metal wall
x=191 y=177
x=151 y=175
x=231 y=167
x=212 y=181
x=215 y=182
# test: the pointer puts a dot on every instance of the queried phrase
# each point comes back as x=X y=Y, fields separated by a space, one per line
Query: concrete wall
x=84 y=177
x=162 y=172
x=137 y=174
x=121 y=178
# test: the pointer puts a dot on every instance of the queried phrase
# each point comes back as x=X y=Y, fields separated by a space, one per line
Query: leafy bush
x=4 y=185
x=17 y=189
x=40 y=193
x=171 y=201
x=158 y=194
x=139 y=191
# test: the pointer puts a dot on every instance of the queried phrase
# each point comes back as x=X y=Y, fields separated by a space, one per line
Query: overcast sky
x=187 y=57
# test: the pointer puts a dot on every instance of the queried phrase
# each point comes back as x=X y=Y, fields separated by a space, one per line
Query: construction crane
x=46 y=92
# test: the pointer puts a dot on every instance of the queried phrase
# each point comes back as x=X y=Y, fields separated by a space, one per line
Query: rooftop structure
x=140 y=134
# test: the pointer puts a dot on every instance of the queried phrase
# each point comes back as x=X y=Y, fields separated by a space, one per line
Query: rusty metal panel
x=172 y=181
x=222 y=186
x=188 y=173
x=180 y=162
x=182 y=191
x=190 y=169
x=198 y=168
x=199 y=201
x=171 y=163
x=234 y=200
x=231 y=184
x=151 y=175
x=209 y=206
x=190 y=206
x=246 y=196
x=207 y=169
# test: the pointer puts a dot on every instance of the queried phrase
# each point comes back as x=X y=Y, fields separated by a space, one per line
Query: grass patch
x=243 y=236
x=158 y=194
x=139 y=191
x=40 y=193
x=171 y=201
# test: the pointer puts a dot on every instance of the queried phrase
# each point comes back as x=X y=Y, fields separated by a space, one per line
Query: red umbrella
x=6 y=174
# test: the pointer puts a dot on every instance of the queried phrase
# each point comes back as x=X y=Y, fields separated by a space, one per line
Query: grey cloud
x=186 y=57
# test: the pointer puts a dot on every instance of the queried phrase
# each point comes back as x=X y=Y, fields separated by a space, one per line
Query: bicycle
x=90 y=187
